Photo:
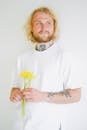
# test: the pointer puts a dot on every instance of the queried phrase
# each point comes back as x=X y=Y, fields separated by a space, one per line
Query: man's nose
x=43 y=27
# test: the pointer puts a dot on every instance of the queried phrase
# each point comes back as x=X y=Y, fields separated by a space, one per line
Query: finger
x=19 y=93
x=27 y=97
x=27 y=94
x=29 y=100
x=13 y=99
x=17 y=98
x=26 y=90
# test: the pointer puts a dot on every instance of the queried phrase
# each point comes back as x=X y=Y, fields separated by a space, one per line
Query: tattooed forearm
x=64 y=97
x=65 y=93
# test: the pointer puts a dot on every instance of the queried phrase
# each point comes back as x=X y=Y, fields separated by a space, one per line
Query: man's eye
x=48 y=22
x=38 y=23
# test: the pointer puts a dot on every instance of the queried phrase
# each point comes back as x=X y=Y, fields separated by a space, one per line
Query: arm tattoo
x=65 y=93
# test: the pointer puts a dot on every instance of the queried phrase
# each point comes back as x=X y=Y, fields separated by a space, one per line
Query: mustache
x=41 y=32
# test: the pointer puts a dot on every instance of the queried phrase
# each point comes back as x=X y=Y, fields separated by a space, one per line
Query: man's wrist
x=45 y=97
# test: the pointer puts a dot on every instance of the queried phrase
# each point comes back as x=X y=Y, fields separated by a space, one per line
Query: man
x=53 y=84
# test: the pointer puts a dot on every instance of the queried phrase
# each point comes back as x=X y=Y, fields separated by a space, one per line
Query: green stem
x=29 y=82
x=24 y=83
x=23 y=107
x=23 y=101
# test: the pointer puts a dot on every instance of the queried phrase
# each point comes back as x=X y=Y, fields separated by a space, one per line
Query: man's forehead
x=40 y=14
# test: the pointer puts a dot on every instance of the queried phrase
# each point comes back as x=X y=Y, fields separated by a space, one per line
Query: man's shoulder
x=25 y=54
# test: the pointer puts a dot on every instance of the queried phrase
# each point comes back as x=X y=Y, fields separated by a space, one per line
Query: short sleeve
x=16 y=81
x=73 y=73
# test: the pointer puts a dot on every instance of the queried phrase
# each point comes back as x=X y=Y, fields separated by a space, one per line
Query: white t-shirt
x=54 y=70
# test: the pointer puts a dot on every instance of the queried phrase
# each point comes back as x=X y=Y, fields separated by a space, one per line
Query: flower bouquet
x=27 y=78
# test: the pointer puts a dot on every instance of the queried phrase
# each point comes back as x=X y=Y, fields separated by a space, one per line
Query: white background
x=73 y=30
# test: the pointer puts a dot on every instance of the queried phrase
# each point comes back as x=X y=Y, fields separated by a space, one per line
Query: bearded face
x=42 y=27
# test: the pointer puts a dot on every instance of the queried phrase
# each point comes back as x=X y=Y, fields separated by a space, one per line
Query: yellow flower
x=27 y=75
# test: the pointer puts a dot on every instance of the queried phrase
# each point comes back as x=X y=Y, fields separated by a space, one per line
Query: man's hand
x=16 y=95
x=33 y=95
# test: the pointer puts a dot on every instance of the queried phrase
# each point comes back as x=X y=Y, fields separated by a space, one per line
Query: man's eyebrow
x=37 y=21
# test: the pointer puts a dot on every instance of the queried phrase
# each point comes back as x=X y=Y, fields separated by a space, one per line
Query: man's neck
x=43 y=46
